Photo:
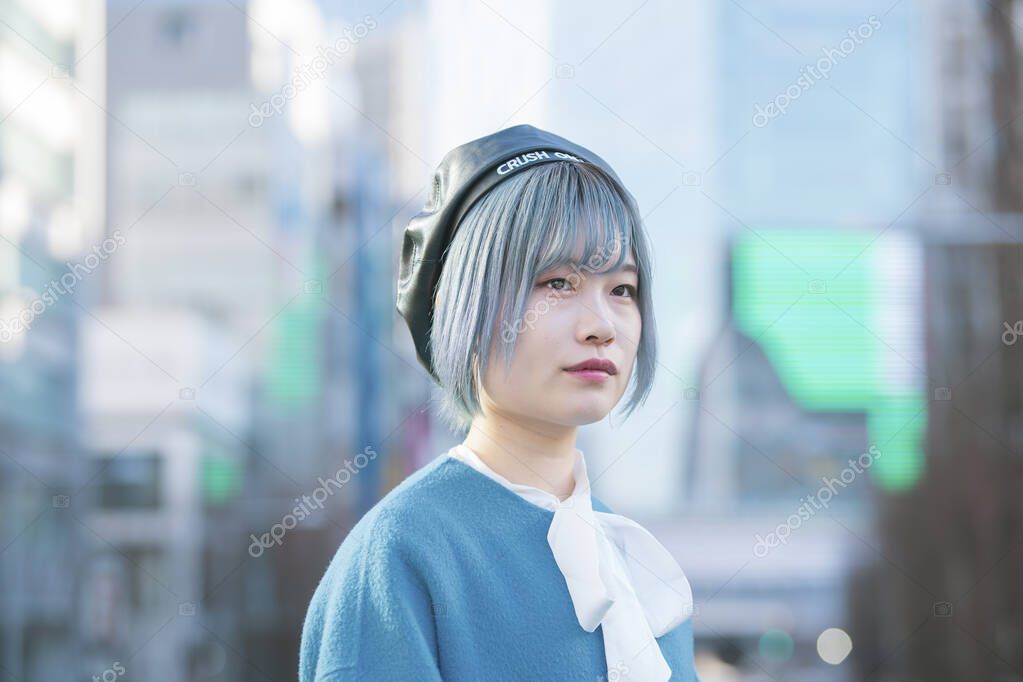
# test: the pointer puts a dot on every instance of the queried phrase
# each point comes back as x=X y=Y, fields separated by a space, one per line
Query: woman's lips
x=594 y=375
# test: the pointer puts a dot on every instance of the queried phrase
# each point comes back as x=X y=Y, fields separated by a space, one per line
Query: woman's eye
x=628 y=287
x=562 y=280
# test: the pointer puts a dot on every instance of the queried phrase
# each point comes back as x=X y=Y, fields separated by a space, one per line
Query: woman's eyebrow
x=621 y=272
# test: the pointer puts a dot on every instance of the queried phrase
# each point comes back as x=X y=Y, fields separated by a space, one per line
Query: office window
x=130 y=481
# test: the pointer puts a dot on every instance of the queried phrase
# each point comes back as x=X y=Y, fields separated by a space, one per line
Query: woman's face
x=573 y=315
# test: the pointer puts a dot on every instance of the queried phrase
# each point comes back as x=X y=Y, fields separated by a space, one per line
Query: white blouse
x=618 y=575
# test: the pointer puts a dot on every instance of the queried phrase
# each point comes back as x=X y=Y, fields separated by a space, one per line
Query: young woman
x=525 y=282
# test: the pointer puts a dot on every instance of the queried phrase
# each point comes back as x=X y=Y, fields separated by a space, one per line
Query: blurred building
x=51 y=160
x=953 y=606
x=958 y=46
x=164 y=472
x=819 y=359
x=220 y=177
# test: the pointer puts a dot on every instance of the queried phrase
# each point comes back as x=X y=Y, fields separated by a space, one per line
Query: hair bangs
x=588 y=223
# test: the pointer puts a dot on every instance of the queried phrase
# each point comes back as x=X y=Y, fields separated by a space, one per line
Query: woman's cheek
x=628 y=330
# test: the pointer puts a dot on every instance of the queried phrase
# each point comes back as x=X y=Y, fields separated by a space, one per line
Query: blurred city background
x=201 y=208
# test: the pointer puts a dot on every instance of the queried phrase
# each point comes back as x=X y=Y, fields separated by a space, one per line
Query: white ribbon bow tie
x=621 y=578
x=618 y=575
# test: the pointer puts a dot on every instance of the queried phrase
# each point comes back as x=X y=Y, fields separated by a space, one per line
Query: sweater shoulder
x=390 y=536
x=436 y=485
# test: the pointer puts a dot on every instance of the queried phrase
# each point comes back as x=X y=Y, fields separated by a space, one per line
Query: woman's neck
x=539 y=454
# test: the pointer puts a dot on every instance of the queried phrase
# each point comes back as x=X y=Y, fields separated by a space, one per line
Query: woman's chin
x=584 y=414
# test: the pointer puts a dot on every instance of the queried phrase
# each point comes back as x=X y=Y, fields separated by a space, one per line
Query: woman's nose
x=594 y=322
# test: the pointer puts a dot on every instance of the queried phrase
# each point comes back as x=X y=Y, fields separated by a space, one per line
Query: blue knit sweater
x=450 y=577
